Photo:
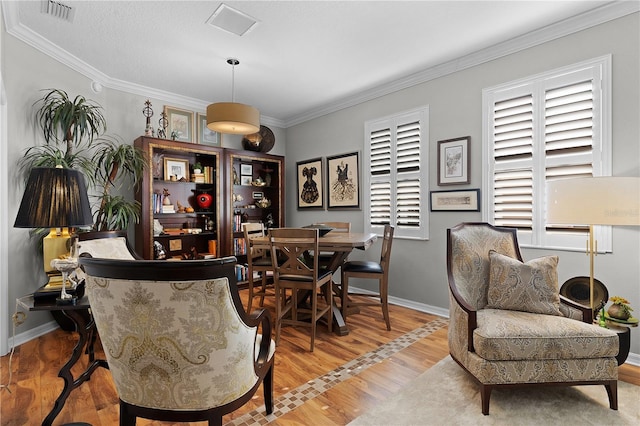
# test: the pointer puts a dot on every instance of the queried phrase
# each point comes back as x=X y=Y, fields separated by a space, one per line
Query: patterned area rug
x=446 y=394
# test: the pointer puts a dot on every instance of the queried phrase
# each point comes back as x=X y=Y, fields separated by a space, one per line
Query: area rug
x=446 y=394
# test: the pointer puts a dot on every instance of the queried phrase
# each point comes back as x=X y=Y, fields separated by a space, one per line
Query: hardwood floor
x=341 y=379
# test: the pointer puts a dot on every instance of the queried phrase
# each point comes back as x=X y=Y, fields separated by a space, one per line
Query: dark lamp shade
x=54 y=198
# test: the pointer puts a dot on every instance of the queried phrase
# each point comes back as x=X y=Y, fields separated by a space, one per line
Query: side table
x=624 y=340
x=86 y=328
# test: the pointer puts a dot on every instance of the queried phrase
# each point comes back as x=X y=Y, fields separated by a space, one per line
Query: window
x=551 y=126
x=396 y=171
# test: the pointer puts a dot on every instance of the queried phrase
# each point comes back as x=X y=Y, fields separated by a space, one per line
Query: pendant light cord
x=233 y=62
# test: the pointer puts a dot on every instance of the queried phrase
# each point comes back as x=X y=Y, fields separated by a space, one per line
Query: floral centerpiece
x=620 y=308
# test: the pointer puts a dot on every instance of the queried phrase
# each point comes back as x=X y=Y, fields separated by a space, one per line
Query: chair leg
x=384 y=300
x=267 y=386
x=263 y=275
x=126 y=417
x=314 y=316
x=278 y=312
x=612 y=391
x=250 y=293
x=485 y=396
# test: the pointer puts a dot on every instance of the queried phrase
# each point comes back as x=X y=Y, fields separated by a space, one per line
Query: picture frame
x=454 y=167
x=257 y=195
x=206 y=136
x=310 y=184
x=180 y=124
x=343 y=181
x=246 y=169
x=461 y=200
x=245 y=180
x=177 y=167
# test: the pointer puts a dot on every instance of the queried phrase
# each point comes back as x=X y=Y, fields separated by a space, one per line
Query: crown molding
x=605 y=13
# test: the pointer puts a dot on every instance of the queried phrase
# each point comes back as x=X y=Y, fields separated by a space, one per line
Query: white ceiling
x=301 y=59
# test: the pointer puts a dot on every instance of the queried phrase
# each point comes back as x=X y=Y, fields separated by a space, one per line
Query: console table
x=85 y=326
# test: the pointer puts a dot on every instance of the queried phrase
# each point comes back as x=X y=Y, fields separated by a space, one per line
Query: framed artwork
x=464 y=200
x=206 y=136
x=310 y=189
x=343 y=181
x=246 y=169
x=180 y=124
x=176 y=169
x=454 y=167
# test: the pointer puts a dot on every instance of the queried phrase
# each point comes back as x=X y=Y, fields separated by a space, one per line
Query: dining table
x=340 y=244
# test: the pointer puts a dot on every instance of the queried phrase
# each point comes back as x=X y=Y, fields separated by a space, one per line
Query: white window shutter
x=396 y=160
x=551 y=126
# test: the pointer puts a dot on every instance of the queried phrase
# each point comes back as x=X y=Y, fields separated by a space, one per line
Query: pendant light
x=233 y=117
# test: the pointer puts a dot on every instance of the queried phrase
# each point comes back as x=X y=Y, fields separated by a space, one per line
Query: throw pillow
x=528 y=287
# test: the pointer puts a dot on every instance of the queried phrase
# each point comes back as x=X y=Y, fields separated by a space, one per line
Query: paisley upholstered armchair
x=508 y=325
x=179 y=344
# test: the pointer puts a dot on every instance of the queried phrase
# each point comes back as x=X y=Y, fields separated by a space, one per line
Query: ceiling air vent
x=58 y=10
x=231 y=20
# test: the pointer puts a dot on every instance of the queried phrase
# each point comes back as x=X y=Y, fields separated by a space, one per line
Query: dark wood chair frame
x=194 y=270
x=258 y=260
x=485 y=389
x=369 y=270
x=293 y=272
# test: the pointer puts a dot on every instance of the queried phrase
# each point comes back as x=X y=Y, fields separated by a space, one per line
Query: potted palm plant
x=74 y=134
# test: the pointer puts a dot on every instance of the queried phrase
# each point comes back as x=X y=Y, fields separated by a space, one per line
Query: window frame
x=600 y=70
x=393 y=122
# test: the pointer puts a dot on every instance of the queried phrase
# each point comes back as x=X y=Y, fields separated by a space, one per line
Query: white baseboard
x=31 y=334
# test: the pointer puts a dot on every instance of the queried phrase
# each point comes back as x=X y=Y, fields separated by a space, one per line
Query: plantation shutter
x=397 y=174
x=548 y=127
x=380 y=167
x=513 y=157
x=408 y=171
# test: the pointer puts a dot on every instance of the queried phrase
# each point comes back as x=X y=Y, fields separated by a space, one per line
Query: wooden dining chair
x=326 y=257
x=291 y=272
x=369 y=270
x=258 y=262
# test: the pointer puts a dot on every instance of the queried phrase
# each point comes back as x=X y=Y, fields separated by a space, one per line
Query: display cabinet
x=181 y=206
x=254 y=188
x=189 y=213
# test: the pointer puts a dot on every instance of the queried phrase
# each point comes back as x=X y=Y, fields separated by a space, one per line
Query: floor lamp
x=593 y=201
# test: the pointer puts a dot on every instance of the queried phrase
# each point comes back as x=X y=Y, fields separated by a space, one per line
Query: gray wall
x=418 y=267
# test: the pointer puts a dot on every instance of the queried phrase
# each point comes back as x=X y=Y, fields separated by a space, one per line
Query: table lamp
x=594 y=201
x=54 y=198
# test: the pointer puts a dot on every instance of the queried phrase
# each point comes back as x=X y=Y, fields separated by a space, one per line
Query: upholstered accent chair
x=178 y=341
x=258 y=261
x=508 y=325
x=297 y=280
x=369 y=270
x=106 y=244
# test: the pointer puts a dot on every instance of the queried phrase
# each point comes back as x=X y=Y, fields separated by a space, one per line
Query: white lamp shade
x=594 y=201
x=232 y=117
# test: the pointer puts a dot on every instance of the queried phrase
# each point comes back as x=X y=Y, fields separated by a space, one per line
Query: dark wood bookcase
x=235 y=180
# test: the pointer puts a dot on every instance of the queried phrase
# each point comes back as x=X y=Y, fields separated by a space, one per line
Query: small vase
x=618 y=312
x=204 y=200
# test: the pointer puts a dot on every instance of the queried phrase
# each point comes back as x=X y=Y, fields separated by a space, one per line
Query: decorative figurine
x=174 y=135
x=163 y=123
x=147 y=111
x=165 y=197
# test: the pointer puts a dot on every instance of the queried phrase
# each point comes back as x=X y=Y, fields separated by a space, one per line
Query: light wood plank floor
x=359 y=371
